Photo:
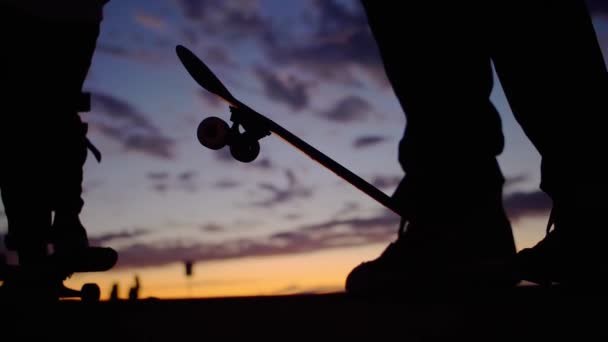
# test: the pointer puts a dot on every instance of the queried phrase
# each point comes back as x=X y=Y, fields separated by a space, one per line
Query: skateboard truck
x=214 y=133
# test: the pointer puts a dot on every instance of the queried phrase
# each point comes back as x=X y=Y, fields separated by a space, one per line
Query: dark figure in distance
x=134 y=291
x=438 y=58
x=47 y=52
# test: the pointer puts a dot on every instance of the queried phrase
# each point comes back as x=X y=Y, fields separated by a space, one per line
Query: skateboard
x=215 y=133
x=53 y=271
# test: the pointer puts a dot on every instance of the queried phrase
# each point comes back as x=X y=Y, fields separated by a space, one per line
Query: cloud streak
x=524 y=204
x=386 y=182
x=122 y=122
x=304 y=239
x=279 y=196
x=164 y=181
x=333 y=233
x=102 y=240
x=340 y=41
x=368 y=141
x=348 y=109
x=289 y=91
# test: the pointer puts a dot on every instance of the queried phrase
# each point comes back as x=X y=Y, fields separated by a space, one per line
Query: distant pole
x=188 y=265
x=188 y=269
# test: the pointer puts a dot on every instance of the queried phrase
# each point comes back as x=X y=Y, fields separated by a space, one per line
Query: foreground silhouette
x=49 y=48
x=438 y=58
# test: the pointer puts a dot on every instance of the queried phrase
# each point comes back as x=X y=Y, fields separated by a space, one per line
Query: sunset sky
x=282 y=224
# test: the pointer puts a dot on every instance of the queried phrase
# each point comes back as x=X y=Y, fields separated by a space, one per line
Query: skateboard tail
x=204 y=76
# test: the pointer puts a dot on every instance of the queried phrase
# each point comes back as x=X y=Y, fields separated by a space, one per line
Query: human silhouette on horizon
x=134 y=290
x=48 y=50
x=438 y=58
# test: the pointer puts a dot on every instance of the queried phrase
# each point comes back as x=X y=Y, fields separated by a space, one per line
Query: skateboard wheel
x=90 y=293
x=213 y=133
x=245 y=150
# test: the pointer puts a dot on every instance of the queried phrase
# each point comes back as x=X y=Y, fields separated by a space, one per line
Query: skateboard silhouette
x=214 y=133
x=52 y=271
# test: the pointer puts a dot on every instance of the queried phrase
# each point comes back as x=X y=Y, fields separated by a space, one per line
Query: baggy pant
x=439 y=55
x=43 y=144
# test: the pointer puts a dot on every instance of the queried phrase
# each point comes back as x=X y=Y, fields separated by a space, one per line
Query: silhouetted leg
x=23 y=178
x=555 y=78
x=43 y=73
x=75 y=48
x=438 y=63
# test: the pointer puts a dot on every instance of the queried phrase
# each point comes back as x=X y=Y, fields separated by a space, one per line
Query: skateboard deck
x=53 y=271
x=214 y=133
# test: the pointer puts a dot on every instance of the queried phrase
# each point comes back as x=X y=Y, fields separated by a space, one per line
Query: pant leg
x=76 y=46
x=42 y=138
x=552 y=70
x=437 y=59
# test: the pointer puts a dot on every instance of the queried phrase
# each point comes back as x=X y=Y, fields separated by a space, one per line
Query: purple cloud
x=120 y=121
x=226 y=184
x=212 y=228
x=164 y=181
x=349 y=109
x=386 y=182
x=304 y=239
x=368 y=140
x=340 y=40
x=522 y=204
x=137 y=54
x=292 y=191
x=102 y=240
x=289 y=91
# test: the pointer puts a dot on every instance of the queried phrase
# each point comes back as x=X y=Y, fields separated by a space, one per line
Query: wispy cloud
x=292 y=191
x=368 y=141
x=349 y=109
x=150 y=56
x=339 y=41
x=212 y=228
x=102 y=240
x=150 y=21
x=121 y=121
x=288 y=90
x=226 y=184
x=515 y=180
x=164 y=181
x=230 y=20
x=304 y=239
x=386 y=182
x=523 y=204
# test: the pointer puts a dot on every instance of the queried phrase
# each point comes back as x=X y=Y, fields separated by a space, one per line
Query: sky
x=281 y=224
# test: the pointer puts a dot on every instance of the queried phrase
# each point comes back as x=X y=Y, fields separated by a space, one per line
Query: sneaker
x=565 y=257
x=427 y=258
x=68 y=235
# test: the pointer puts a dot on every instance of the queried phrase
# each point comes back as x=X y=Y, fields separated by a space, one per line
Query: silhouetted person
x=438 y=58
x=47 y=51
x=134 y=291
x=114 y=293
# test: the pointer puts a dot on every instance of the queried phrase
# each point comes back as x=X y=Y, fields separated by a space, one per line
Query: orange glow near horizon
x=318 y=272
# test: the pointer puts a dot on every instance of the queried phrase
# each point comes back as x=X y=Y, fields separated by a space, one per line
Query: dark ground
x=526 y=313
